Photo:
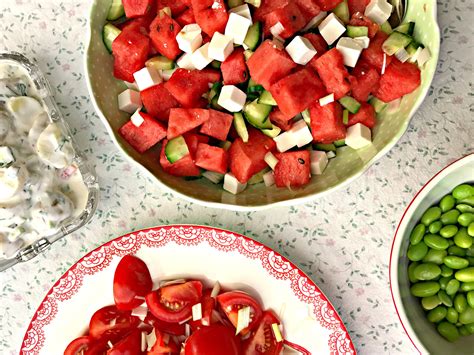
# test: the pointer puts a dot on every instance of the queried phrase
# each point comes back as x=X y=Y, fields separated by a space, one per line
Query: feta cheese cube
x=232 y=185
x=319 y=161
x=285 y=141
x=331 y=155
x=326 y=100
x=364 y=41
x=242 y=10
x=331 y=28
x=271 y=160
x=221 y=46
x=315 y=21
x=147 y=77
x=277 y=29
x=301 y=133
x=129 y=101
x=189 y=38
x=423 y=56
x=301 y=50
x=402 y=55
x=350 y=50
x=269 y=178
x=358 y=136
x=378 y=11
x=137 y=118
x=200 y=58
x=185 y=61
x=132 y=86
x=237 y=27
x=232 y=98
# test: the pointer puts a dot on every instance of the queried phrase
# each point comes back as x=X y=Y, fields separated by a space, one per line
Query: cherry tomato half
x=262 y=341
x=112 y=323
x=132 y=279
x=130 y=345
x=216 y=339
x=232 y=301
x=174 y=303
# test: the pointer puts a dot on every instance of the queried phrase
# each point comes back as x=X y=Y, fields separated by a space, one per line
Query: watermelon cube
x=290 y=17
x=293 y=169
x=234 y=69
x=212 y=158
x=268 y=6
x=130 y=50
x=144 y=137
x=192 y=140
x=136 y=8
x=399 y=79
x=247 y=159
x=218 y=125
x=177 y=7
x=357 y=6
x=297 y=91
x=364 y=81
x=186 y=17
x=270 y=63
x=183 y=120
x=358 y=19
x=183 y=167
x=163 y=32
x=308 y=8
x=327 y=5
x=333 y=73
x=326 y=122
x=374 y=55
x=140 y=24
x=158 y=101
x=280 y=120
x=319 y=44
x=365 y=115
x=211 y=15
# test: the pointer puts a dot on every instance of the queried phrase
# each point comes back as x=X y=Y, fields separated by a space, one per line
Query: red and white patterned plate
x=190 y=251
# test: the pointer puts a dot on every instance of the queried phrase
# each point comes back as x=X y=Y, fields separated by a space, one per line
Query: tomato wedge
x=232 y=301
x=262 y=341
x=208 y=304
x=130 y=345
x=112 y=323
x=170 y=328
x=131 y=280
x=81 y=344
x=213 y=340
x=174 y=303
x=164 y=345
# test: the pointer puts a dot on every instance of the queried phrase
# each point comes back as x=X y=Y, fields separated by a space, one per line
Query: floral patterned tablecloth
x=342 y=241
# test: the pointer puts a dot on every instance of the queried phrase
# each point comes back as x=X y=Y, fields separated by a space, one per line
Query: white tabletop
x=342 y=241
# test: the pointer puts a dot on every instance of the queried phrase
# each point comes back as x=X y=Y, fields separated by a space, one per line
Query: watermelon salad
x=257 y=91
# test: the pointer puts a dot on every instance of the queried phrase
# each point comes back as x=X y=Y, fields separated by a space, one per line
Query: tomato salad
x=178 y=317
x=257 y=91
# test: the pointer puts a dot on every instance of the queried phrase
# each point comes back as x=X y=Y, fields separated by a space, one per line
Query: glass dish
x=43 y=92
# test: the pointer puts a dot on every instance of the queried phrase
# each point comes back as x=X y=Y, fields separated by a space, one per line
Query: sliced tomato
x=174 y=303
x=262 y=341
x=232 y=301
x=131 y=280
x=164 y=345
x=208 y=304
x=130 y=345
x=170 y=328
x=216 y=339
x=112 y=323
x=80 y=345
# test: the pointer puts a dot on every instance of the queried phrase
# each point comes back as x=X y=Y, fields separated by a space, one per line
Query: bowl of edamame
x=432 y=263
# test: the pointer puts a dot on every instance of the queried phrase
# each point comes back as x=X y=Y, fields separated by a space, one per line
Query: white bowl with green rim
x=421 y=332
x=346 y=167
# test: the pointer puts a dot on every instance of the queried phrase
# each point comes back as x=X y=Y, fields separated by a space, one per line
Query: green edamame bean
x=470 y=299
x=462 y=239
x=435 y=227
x=417 y=234
x=470 y=229
x=417 y=252
x=446 y=271
x=448 y=331
x=445 y=299
x=437 y=314
x=432 y=214
x=427 y=271
x=455 y=250
x=470 y=251
x=411 y=275
x=450 y=217
x=468 y=201
x=465 y=219
x=452 y=287
x=455 y=262
x=463 y=208
x=470 y=328
x=471 y=260
x=467 y=286
x=465 y=275
x=430 y=302
x=463 y=331
x=463 y=191
x=448 y=231
x=460 y=303
x=435 y=256
x=443 y=282
x=425 y=289
x=436 y=242
x=447 y=203
x=452 y=315
x=467 y=316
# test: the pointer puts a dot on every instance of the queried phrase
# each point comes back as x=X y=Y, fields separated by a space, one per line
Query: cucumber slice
x=385 y=27
x=257 y=115
x=340 y=143
x=406 y=28
x=160 y=63
x=413 y=47
x=257 y=89
x=267 y=99
x=176 y=149
x=396 y=41
x=258 y=177
x=254 y=36
x=234 y=3
x=350 y=103
x=215 y=105
x=325 y=147
x=357 y=31
x=247 y=54
x=342 y=11
x=255 y=3
x=378 y=105
x=109 y=34
x=306 y=117
x=345 y=117
x=215 y=90
x=216 y=64
x=272 y=133
x=241 y=127
x=116 y=10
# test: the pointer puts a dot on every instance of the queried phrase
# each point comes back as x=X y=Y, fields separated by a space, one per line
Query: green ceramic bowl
x=346 y=167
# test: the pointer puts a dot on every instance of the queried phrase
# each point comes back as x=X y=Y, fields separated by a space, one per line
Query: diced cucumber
x=357 y=31
x=241 y=127
x=377 y=104
x=255 y=89
x=396 y=41
x=215 y=105
x=213 y=177
x=160 y=63
x=216 y=64
x=247 y=54
x=325 y=147
x=257 y=115
x=340 y=143
x=345 y=117
x=350 y=103
x=215 y=90
x=255 y=3
x=413 y=47
x=254 y=36
x=306 y=117
x=272 y=133
x=258 y=177
x=234 y=3
x=176 y=149
x=252 y=83
x=406 y=28
x=385 y=27
x=116 y=10
x=109 y=34
x=225 y=145
x=267 y=99
x=342 y=11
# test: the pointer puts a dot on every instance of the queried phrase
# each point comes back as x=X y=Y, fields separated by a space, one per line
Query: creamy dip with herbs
x=40 y=186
